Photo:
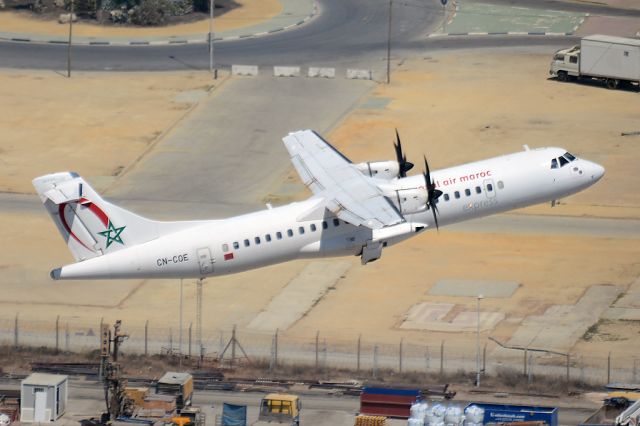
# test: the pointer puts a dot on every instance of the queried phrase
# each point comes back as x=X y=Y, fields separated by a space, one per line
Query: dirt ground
x=454 y=107
x=49 y=123
x=249 y=13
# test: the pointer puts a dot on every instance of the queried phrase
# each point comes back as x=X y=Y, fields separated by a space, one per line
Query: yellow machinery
x=280 y=408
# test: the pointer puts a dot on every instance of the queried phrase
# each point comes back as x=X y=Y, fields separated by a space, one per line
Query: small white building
x=43 y=397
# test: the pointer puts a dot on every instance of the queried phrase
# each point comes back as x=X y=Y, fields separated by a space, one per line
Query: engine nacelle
x=380 y=169
x=408 y=201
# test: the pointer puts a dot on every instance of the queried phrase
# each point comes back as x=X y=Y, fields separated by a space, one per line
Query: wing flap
x=352 y=196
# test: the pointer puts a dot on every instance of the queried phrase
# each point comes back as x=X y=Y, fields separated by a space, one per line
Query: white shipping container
x=610 y=57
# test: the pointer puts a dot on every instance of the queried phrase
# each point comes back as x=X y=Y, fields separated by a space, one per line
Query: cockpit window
x=563 y=161
x=554 y=164
x=569 y=157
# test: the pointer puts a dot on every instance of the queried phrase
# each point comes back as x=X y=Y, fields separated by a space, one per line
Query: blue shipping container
x=504 y=413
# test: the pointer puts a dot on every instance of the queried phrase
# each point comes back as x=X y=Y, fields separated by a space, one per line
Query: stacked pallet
x=362 y=420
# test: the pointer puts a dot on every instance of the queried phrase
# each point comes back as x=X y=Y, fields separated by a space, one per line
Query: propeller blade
x=432 y=193
x=401 y=158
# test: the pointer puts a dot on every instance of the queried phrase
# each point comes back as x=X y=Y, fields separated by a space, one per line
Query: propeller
x=403 y=164
x=432 y=192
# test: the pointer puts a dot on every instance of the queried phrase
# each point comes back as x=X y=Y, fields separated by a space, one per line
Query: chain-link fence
x=321 y=353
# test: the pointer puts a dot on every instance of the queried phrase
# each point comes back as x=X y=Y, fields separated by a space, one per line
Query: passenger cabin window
x=554 y=164
x=247 y=243
x=446 y=197
x=279 y=235
x=236 y=245
x=489 y=187
x=324 y=224
x=467 y=192
x=563 y=161
x=336 y=222
x=301 y=230
x=456 y=194
x=290 y=232
x=478 y=190
x=268 y=238
x=313 y=227
x=257 y=240
x=500 y=184
x=225 y=247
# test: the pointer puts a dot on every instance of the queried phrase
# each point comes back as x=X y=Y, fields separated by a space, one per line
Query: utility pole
x=212 y=6
x=480 y=297
x=180 y=327
x=199 y=318
x=389 y=44
x=69 y=44
x=114 y=384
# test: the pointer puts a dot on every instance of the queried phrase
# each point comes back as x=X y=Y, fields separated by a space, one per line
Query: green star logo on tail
x=112 y=234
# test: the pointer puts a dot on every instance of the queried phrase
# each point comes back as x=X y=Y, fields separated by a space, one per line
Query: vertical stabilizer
x=90 y=225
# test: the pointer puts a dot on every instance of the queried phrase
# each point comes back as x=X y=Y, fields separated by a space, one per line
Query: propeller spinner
x=432 y=192
x=403 y=164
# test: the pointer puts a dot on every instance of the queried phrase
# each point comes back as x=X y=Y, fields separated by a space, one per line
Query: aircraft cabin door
x=489 y=188
x=205 y=260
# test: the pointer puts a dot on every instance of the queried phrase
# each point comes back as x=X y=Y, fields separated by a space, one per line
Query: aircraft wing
x=350 y=195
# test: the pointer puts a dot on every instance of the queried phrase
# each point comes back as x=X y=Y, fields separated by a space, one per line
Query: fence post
x=190 y=325
x=170 y=352
x=442 y=358
x=275 y=350
x=608 y=368
x=15 y=332
x=635 y=370
x=484 y=359
x=146 y=337
x=426 y=359
x=317 y=337
x=358 y=358
x=375 y=362
x=524 y=362
x=324 y=355
x=66 y=337
x=530 y=370
x=400 y=356
x=568 y=366
x=57 y=333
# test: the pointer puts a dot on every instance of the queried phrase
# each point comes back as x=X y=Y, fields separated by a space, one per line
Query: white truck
x=614 y=60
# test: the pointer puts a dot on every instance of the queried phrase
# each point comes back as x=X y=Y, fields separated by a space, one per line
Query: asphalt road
x=346 y=34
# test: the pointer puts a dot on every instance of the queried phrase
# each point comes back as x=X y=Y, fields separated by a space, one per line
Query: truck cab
x=280 y=408
x=565 y=63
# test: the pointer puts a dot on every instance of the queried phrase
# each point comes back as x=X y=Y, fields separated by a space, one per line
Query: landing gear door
x=489 y=188
x=205 y=260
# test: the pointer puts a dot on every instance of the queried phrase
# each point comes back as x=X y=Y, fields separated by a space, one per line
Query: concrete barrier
x=322 y=72
x=286 y=71
x=249 y=70
x=360 y=74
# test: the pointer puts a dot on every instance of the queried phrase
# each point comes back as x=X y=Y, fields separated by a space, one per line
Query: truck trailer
x=613 y=60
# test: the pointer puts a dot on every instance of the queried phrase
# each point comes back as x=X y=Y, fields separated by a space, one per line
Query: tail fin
x=90 y=225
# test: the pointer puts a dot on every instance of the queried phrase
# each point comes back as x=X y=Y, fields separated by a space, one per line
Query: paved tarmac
x=228 y=152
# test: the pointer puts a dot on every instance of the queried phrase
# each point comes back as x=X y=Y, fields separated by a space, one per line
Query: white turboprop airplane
x=356 y=209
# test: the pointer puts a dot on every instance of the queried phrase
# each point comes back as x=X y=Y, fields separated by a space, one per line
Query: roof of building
x=175 y=378
x=44 y=379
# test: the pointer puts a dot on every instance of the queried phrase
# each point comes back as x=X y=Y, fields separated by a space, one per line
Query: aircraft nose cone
x=597 y=171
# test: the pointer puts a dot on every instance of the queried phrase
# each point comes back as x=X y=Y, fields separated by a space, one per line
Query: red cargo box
x=387 y=404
